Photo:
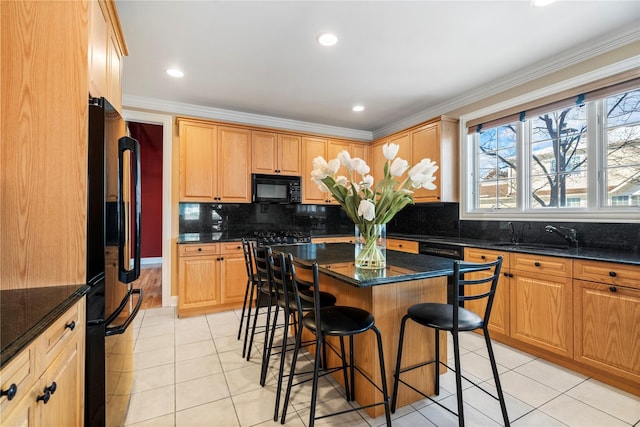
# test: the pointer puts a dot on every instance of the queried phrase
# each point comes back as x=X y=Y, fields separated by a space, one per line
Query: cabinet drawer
x=55 y=338
x=231 y=248
x=541 y=264
x=486 y=255
x=607 y=272
x=402 y=246
x=19 y=373
x=195 y=249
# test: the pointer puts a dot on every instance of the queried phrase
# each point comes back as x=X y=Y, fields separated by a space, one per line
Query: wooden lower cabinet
x=408 y=246
x=56 y=357
x=499 y=321
x=606 y=318
x=541 y=311
x=606 y=332
x=211 y=277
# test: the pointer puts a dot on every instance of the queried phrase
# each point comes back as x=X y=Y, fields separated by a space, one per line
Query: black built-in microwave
x=276 y=189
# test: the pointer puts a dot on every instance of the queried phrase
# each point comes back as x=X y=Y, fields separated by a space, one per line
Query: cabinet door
x=98 y=29
x=377 y=157
x=289 y=154
x=114 y=72
x=264 y=152
x=541 y=311
x=311 y=148
x=64 y=407
x=233 y=279
x=198 y=157
x=499 y=320
x=198 y=286
x=606 y=332
x=333 y=149
x=425 y=143
x=20 y=373
x=234 y=165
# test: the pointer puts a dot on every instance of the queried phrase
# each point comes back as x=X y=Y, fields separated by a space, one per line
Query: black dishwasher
x=445 y=250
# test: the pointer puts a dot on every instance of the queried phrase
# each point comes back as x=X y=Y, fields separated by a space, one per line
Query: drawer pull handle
x=612 y=274
x=537 y=264
x=199 y=249
x=10 y=392
x=505 y=274
x=613 y=289
x=48 y=391
x=71 y=325
x=483 y=257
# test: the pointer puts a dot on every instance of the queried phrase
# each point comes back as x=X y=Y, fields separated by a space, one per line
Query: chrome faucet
x=513 y=232
x=570 y=234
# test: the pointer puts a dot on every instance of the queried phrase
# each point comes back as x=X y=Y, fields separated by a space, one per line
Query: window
x=579 y=157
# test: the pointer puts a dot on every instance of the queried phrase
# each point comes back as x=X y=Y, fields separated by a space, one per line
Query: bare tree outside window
x=558 y=159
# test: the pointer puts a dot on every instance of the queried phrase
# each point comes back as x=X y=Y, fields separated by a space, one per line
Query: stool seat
x=340 y=321
x=440 y=316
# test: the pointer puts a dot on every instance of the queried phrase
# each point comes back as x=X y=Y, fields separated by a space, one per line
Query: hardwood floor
x=150 y=281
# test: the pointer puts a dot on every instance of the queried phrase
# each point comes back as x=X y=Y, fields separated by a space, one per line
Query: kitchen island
x=408 y=279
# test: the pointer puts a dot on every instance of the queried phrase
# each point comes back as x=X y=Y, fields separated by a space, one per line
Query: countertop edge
x=31 y=334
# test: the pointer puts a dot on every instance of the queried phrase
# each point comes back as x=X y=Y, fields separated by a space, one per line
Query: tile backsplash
x=433 y=219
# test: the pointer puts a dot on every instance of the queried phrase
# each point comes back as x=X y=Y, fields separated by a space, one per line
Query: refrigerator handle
x=125 y=275
x=116 y=330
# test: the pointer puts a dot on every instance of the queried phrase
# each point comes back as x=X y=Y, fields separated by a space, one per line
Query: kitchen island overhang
x=337 y=260
x=408 y=279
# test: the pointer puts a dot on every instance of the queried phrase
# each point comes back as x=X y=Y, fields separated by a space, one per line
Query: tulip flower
x=390 y=150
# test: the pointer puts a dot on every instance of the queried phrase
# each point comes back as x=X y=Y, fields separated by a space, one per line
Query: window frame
x=596 y=209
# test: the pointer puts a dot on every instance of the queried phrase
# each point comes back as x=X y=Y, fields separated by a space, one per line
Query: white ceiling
x=398 y=59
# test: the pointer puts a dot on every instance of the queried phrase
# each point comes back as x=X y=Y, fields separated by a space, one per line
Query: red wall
x=150 y=138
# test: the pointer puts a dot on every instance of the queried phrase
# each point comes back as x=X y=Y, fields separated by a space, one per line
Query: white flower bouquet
x=370 y=206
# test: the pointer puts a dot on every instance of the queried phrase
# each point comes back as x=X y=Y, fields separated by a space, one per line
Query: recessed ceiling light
x=358 y=108
x=327 y=39
x=174 y=72
x=541 y=3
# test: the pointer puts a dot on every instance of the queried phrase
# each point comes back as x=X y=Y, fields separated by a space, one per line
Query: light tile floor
x=189 y=372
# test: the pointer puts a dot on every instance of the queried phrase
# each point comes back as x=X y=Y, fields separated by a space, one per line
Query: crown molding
x=586 y=51
x=179 y=108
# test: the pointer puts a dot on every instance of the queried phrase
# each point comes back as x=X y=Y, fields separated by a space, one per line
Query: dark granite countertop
x=593 y=254
x=26 y=313
x=207 y=237
x=333 y=258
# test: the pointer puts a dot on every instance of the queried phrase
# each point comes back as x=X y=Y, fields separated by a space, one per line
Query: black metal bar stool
x=453 y=318
x=265 y=295
x=282 y=283
x=338 y=321
x=253 y=286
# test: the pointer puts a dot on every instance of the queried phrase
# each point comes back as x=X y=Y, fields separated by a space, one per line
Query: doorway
x=157 y=268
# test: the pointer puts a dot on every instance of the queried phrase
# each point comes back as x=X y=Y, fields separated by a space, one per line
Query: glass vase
x=371 y=246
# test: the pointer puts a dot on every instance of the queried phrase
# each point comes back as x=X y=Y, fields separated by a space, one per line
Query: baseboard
x=151 y=261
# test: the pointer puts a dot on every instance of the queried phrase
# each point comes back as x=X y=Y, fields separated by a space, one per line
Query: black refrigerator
x=113 y=264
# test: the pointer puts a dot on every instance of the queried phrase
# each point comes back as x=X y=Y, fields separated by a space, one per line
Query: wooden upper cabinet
x=436 y=140
x=274 y=153
x=234 y=165
x=425 y=143
x=198 y=157
x=214 y=163
x=311 y=148
x=289 y=154
x=44 y=114
x=377 y=157
x=333 y=149
x=105 y=51
x=98 y=36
